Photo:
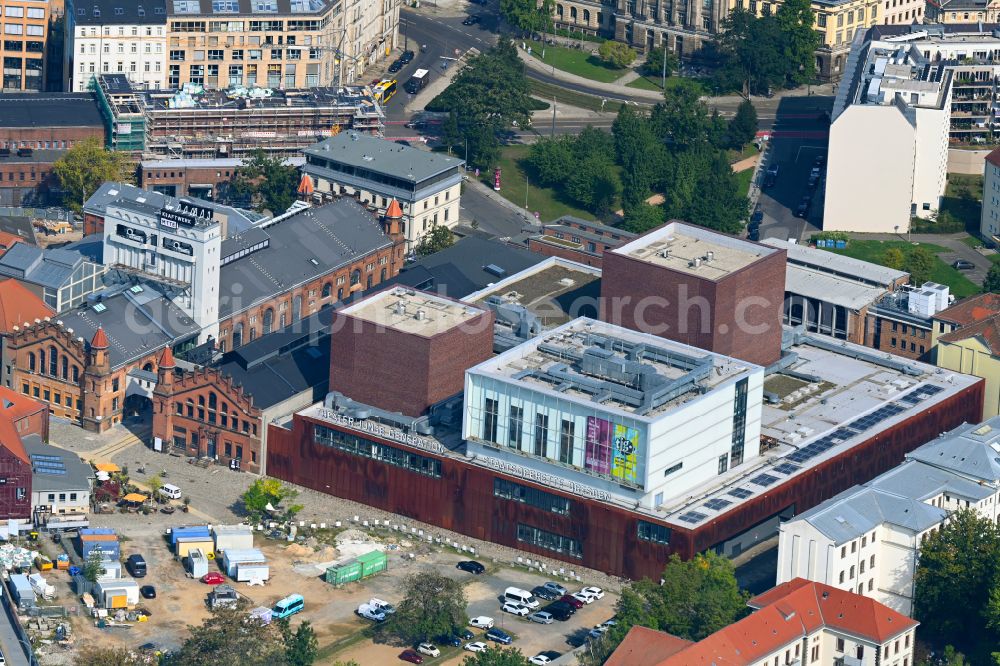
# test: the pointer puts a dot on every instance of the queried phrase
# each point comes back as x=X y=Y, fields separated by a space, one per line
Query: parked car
x=481 y=622
x=499 y=636
x=470 y=20
x=754 y=234
x=411 y=656
x=515 y=609
x=560 y=610
x=539 y=660
x=429 y=649
x=471 y=566
x=598 y=631
x=541 y=617
x=406 y=57
x=584 y=597
x=147 y=592
x=555 y=587
x=963 y=265
x=382 y=606
x=819 y=161
x=756 y=218
x=395 y=67
x=595 y=592
x=478 y=646
x=370 y=613
x=803 y=208
x=572 y=601
x=213 y=578
x=136 y=565
x=457 y=639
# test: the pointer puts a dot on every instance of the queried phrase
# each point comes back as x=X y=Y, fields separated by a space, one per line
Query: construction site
x=203 y=124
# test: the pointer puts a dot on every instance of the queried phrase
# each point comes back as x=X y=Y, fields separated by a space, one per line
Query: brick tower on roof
x=97 y=386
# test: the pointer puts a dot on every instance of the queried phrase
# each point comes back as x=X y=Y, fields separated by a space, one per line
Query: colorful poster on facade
x=623 y=462
x=598 y=451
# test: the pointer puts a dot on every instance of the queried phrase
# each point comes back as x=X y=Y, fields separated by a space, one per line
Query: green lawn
x=545 y=91
x=576 y=61
x=653 y=83
x=543 y=200
x=745 y=177
x=960 y=207
x=942 y=273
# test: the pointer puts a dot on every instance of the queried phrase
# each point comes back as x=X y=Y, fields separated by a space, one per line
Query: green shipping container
x=372 y=563
x=344 y=573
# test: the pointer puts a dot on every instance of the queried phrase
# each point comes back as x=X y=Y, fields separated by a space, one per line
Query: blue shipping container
x=96 y=530
x=196 y=530
x=108 y=549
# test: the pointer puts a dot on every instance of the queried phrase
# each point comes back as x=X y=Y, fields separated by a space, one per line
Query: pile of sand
x=297 y=550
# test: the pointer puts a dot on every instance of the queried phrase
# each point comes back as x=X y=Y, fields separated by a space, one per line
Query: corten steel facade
x=462 y=497
x=365 y=363
x=743 y=311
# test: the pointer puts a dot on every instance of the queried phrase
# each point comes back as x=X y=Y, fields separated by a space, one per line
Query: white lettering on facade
x=542 y=477
x=381 y=430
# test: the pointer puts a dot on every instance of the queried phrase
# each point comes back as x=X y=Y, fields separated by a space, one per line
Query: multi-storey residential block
x=867 y=539
x=276 y=43
x=989 y=216
x=115 y=36
x=25 y=43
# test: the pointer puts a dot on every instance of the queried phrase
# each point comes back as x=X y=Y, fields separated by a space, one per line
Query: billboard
x=612 y=449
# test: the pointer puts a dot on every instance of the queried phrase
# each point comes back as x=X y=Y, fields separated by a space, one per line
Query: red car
x=411 y=656
x=213 y=578
x=572 y=601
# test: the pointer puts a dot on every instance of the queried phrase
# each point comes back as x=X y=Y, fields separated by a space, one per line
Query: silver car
x=541 y=617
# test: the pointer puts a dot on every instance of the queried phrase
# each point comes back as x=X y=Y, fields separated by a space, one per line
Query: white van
x=170 y=490
x=520 y=596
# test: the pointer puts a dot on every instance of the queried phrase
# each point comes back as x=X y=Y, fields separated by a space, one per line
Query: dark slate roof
x=34 y=157
x=257 y=8
x=135 y=324
x=114 y=12
x=283 y=364
x=18 y=226
x=300 y=248
x=78 y=473
x=383 y=156
x=49 y=110
x=91 y=247
x=460 y=270
x=49 y=268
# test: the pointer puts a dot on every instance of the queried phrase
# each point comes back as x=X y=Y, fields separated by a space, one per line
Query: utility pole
x=553 y=117
x=525 y=191
x=664 y=47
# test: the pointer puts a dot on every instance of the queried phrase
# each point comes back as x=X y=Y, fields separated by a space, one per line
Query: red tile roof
x=7 y=240
x=786 y=614
x=11 y=440
x=166 y=358
x=306 y=184
x=646 y=647
x=18 y=304
x=987 y=330
x=13 y=407
x=971 y=310
x=994 y=157
x=100 y=339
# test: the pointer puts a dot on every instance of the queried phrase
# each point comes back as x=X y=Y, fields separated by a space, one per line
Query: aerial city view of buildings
x=530 y=332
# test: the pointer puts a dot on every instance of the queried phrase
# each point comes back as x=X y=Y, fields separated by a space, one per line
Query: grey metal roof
x=49 y=268
x=77 y=476
x=861 y=509
x=258 y=8
x=49 y=110
x=971 y=450
x=147 y=201
x=822 y=286
x=566 y=220
x=136 y=324
x=383 y=156
x=832 y=262
x=301 y=248
x=116 y=12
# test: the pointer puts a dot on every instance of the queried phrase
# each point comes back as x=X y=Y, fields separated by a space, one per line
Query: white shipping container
x=247 y=571
x=232 y=537
x=232 y=557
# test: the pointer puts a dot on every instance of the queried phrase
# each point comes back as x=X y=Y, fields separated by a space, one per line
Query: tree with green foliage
x=749 y=52
x=497 y=656
x=682 y=119
x=529 y=16
x=266 y=182
x=438 y=239
x=433 y=605
x=266 y=491
x=230 y=636
x=893 y=257
x=799 y=40
x=919 y=264
x=743 y=126
x=155 y=482
x=93 y=567
x=552 y=160
x=451 y=134
x=301 y=646
x=616 y=54
x=643 y=217
x=594 y=185
x=93 y=655
x=992 y=282
x=697 y=598
x=656 y=57
x=88 y=165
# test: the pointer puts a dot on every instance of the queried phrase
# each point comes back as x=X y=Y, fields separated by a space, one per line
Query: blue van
x=290 y=605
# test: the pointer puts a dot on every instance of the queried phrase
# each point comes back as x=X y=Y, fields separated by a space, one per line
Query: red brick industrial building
x=578 y=240
x=698 y=287
x=20 y=416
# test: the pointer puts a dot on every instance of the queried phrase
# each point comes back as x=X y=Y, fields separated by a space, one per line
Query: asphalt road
x=797 y=138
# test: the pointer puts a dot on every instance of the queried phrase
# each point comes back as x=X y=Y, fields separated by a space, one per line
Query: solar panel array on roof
x=46 y=464
x=921 y=394
x=764 y=480
x=716 y=504
x=786 y=468
x=868 y=421
x=740 y=493
x=692 y=517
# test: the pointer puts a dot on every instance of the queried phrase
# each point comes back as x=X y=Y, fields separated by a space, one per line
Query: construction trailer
x=232 y=558
x=117 y=593
x=196 y=563
x=22 y=591
x=232 y=537
x=186 y=544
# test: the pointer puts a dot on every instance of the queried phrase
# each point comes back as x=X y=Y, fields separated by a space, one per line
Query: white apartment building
x=120 y=37
x=888 y=152
x=637 y=416
x=867 y=539
x=989 y=217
